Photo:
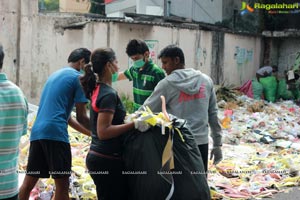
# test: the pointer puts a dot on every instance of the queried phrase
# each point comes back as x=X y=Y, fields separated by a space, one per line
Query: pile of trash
x=261 y=149
x=227 y=93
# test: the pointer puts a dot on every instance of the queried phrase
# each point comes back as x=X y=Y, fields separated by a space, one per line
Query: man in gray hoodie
x=189 y=95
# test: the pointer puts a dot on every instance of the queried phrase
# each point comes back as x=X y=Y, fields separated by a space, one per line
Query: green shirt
x=144 y=81
x=13 y=124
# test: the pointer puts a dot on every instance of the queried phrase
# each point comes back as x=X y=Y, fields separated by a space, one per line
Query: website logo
x=271 y=8
x=246 y=8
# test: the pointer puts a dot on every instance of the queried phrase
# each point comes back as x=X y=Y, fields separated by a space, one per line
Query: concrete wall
x=8 y=35
x=45 y=42
x=290 y=50
x=196 y=53
x=12 y=14
x=282 y=51
x=217 y=57
x=46 y=49
x=242 y=57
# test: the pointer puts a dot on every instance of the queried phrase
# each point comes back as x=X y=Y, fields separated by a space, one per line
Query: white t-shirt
x=265 y=70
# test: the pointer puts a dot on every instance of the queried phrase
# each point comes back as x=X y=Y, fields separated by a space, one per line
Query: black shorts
x=49 y=157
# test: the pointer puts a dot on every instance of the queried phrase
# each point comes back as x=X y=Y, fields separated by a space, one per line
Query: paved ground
x=294 y=194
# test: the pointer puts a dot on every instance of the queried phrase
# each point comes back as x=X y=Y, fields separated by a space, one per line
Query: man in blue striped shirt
x=13 y=124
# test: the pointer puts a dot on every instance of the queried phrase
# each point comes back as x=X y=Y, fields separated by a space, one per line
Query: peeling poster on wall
x=297 y=61
x=249 y=55
x=153 y=48
x=242 y=55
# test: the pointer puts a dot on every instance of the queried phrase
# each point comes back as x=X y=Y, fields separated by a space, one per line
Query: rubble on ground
x=261 y=149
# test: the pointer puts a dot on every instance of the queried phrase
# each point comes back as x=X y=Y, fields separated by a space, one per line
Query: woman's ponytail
x=88 y=81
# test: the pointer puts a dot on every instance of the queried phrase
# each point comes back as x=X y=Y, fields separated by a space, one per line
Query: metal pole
x=165 y=8
x=168 y=8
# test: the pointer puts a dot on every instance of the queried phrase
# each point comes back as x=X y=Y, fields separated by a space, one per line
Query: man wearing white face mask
x=144 y=73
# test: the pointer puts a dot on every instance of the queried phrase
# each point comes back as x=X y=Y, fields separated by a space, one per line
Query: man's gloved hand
x=141 y=125
x=216 y=153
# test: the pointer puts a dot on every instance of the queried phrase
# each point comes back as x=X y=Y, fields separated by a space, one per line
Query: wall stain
x=243 y=57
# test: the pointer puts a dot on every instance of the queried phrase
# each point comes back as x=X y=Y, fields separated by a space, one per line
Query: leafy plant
x=127 y=102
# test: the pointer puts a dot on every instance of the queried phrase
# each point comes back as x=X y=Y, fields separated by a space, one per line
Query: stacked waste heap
x=261 y=148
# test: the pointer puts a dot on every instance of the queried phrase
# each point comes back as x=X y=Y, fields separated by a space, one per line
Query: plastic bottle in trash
x=227 y=119
x=226 y=122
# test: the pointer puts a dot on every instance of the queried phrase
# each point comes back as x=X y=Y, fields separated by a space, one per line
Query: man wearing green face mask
x=144 y=73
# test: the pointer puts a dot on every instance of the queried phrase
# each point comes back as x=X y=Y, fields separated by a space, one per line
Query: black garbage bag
x=149 y=178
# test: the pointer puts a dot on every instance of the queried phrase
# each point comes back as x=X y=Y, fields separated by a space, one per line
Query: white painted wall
x=204 y=52
x=185 y=38
x=241 y=58
x=45 y=49
x=8 y=36
x=45 y=46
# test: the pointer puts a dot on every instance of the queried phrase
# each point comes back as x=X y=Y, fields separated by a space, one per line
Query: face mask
x=138 y=63
x=81 y=71
x=114 y=77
